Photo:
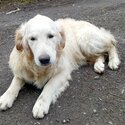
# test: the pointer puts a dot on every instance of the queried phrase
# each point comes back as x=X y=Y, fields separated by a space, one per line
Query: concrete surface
x=91 y=99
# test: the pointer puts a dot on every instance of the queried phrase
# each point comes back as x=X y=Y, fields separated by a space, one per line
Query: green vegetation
x=25 y=1
x=4 y=4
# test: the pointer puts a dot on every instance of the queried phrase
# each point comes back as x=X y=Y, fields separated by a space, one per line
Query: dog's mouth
x=43 y=65
x=46 y=65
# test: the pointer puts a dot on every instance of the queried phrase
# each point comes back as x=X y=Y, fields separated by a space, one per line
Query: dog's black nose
x=44 y=59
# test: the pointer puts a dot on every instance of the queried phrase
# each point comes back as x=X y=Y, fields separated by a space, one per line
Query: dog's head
x=40 y=38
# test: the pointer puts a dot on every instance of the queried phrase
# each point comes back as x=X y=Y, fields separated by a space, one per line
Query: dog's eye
x=50 y=36
x=32 y=38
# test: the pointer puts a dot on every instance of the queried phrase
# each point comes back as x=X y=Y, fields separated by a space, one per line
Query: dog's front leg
x=50 y=93
x=7 y=99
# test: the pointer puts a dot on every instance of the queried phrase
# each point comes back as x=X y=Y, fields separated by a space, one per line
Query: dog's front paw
x=40 y=109
x=6 y=101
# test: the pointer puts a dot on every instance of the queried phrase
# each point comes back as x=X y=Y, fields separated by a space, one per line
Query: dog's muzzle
x=44 y=59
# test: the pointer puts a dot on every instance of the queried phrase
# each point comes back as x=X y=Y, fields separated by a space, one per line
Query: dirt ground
x=91 y=99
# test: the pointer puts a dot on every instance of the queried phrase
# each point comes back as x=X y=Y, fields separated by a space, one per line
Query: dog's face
x=42 y=37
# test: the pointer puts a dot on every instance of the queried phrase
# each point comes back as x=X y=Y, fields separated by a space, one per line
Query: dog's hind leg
x=99 y=65
x=113 y=58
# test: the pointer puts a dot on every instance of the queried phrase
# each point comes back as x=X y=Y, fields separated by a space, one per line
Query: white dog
x=47 y=51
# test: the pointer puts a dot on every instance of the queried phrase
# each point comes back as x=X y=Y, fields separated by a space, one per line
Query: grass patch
x=6 y=4
x=25 y=1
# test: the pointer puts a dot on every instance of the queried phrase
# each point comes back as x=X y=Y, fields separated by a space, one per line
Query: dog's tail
x=109 y=36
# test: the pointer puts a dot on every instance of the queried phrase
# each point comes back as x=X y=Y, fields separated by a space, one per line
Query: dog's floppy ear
x=62 y=43
x=62 y=34
x=20 y=40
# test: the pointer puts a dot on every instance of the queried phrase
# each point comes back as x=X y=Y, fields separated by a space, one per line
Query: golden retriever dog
x=47 y=51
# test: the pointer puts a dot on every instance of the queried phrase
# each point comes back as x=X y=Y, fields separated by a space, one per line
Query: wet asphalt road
x=91 y=99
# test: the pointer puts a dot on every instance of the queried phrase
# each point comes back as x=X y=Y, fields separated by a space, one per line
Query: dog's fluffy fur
x=47 y=51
